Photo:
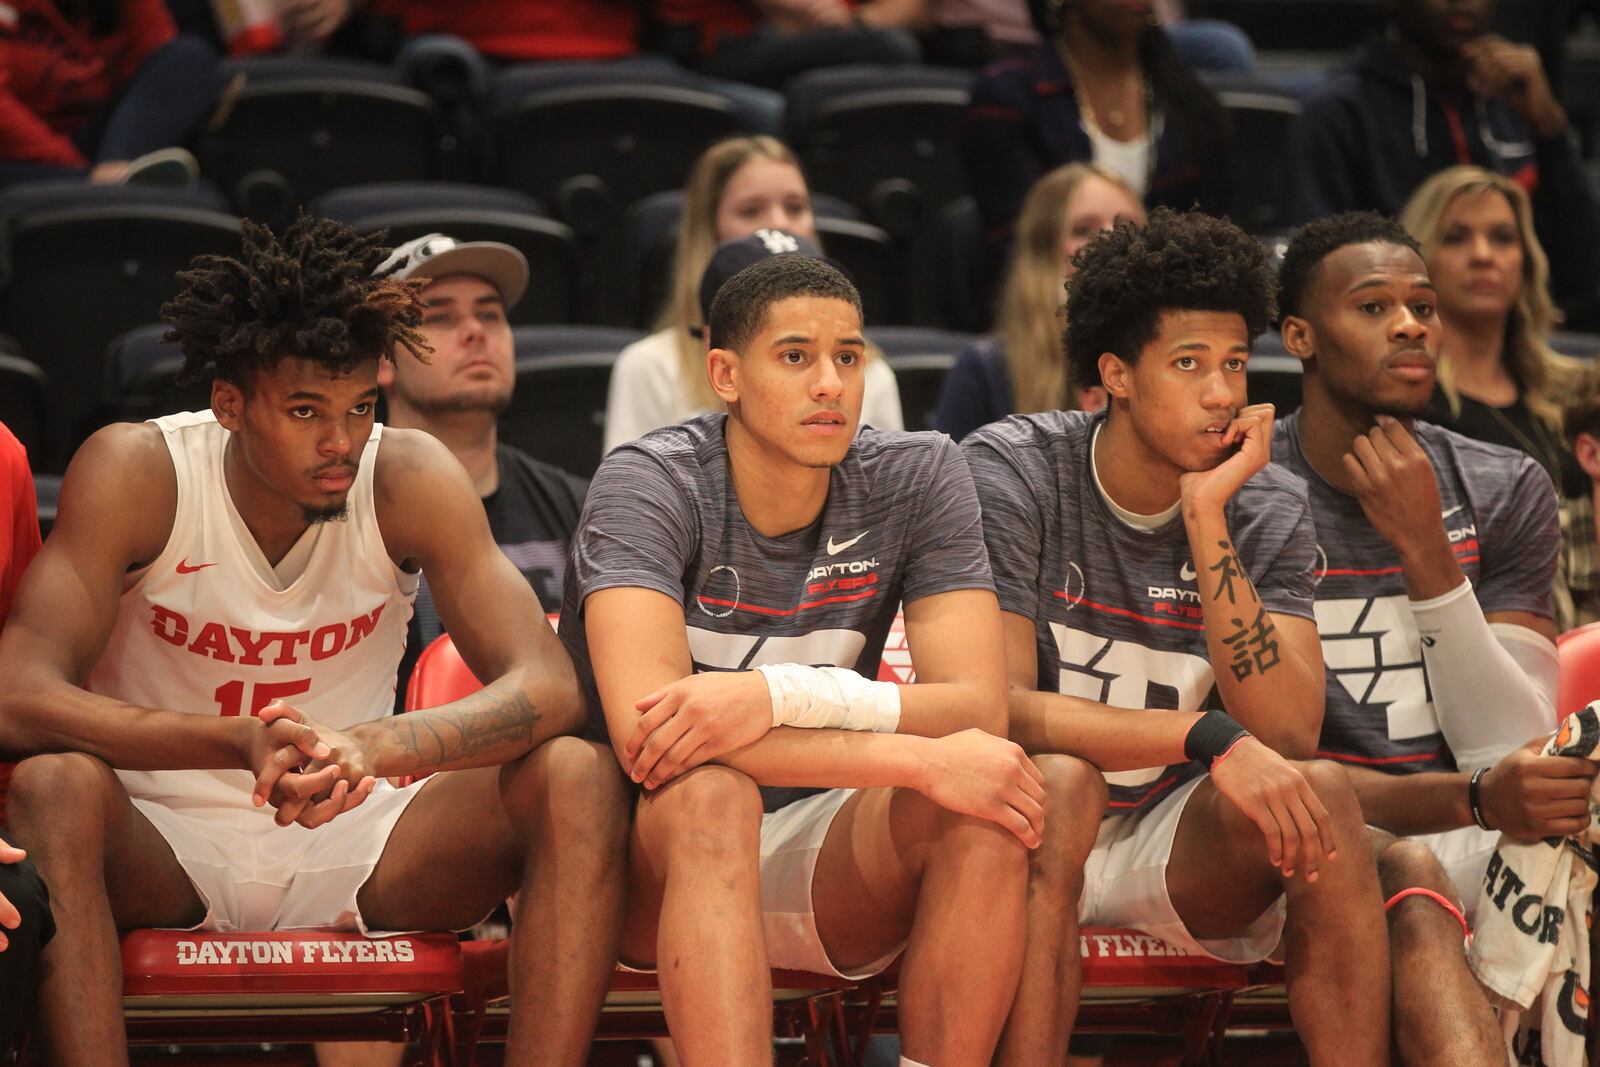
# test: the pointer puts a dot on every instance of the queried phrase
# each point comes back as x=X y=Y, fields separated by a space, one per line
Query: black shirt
x=1514 y=427
x=532 y=516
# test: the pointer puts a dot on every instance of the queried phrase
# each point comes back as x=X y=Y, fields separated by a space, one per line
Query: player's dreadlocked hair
x=310 y=295
x=1129 y=275
x=1316 y=241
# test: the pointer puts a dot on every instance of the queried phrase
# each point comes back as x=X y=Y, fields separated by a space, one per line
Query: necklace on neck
x=1116 y=119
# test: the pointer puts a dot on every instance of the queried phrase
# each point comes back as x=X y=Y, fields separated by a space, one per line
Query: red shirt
x=19 y=540
x=526 y=29
x=714 y=19
x=55 y=75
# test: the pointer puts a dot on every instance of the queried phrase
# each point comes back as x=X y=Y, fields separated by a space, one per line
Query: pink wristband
x=1229 y=749
x=1438 y=898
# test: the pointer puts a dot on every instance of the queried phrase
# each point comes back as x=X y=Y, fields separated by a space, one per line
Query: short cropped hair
x=1129 y=275
x=1316 y=241
x=740 y=306
x=309 y=295
x=1581 y=413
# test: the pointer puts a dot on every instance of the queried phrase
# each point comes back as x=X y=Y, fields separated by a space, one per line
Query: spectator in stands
x=1436 y=555
x=1577 y=593
x=767 y=43
x=458 y=396
x=736 y=187
x=1022 y=367
x=1437 y=91
x=1499 y=380
x=525 y=30
x=26 y=923
x=88 y=86
x=1105 y=86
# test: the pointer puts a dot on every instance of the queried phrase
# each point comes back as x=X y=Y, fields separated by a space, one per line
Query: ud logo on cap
x=778 y=242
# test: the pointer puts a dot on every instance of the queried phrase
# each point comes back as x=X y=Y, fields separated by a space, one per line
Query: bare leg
x=694 y=910
x=551 y=828
x=107 y=869
x=359 y=1054
x=1336 y=948
x=897 y=867
x=1440 y=1012
x=1041 y=1018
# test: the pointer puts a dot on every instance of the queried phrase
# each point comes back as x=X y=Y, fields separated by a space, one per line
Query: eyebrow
x=322 y=398
x=802 y=339
x=441 y=301
x=1383 y=283
x=1201 y=346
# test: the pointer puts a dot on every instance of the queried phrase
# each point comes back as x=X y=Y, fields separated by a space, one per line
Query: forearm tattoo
x=1228 y=573
x=1253 y=645
x=489 y=719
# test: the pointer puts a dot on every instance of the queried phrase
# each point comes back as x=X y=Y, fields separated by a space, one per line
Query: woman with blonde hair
x=736 y=187
x=1499 y=380
x=1022 y=366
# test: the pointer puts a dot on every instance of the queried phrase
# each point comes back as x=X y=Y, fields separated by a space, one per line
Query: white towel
x=1531 y=946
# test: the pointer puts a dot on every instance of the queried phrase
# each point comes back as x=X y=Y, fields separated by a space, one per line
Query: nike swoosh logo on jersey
x=1452 y=511
x=185 y=567
x=835 y=549
x=1187 y=573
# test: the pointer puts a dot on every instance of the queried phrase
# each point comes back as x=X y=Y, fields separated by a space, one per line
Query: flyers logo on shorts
x=1372 y=648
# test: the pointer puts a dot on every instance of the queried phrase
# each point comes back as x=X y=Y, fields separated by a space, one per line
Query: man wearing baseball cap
x=458 y=396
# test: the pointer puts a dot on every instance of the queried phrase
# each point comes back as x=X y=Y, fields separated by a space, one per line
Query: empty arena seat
x=921 y=358
x=947 y=287
x=1261 y=116
x=1273 y=375
x=590 y=150
x=190 y=987
x=880 y=137
x=408 y=210
x=73 y=276
x=294 y=129
x=1574 y=344
x=558 y=412
x=141 y=380
x=24 y=393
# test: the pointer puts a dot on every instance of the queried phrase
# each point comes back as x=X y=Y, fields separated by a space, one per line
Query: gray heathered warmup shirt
x=1116 y=610
x=901 y=522
x=1499 y=512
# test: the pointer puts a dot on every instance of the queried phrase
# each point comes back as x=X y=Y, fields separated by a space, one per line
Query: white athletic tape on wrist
x=1493 y=687
x=816 y=698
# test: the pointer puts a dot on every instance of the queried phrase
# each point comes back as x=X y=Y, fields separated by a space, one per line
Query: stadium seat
x=1579 y=652
x=296 y=128
x=947 y=288
x=920 y=358
x=590 y=150
x=558 y=412
x=141 y=377
x=409 y=210
x=24 y=393
x=650 y=237
x=1585 y=346
x=184 y=987
x=537 y=342
x=1261 y=117
x=74 y=275
x=880 y=138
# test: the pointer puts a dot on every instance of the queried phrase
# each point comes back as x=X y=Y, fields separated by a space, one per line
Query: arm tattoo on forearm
x=489 y=719
x=1229 y=572
x=1254 y=646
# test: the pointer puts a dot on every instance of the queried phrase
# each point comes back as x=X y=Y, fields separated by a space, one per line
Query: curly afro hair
x=1128 y=276
x=311 y=295
x=1316 y=241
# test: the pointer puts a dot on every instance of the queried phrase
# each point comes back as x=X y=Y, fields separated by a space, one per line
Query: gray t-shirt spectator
x=1499 y=512
x=1116 y=609
x=901 y=522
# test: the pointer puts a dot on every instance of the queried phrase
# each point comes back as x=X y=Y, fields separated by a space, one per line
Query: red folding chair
x=1579 y=652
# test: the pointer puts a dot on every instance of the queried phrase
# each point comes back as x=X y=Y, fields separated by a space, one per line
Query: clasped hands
x=308 y=772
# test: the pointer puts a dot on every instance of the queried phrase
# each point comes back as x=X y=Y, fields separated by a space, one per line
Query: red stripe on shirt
x=759 y=610
x=1135 y=615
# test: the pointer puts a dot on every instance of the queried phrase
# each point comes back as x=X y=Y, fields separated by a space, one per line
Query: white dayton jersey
x=207 y=628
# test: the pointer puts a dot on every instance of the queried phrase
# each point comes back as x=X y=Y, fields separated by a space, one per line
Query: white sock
x=906 y=1061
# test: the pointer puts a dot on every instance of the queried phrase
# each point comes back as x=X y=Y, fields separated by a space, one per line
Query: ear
x=722 y=367
x=1586 y=448
x=1116 y=376
x=1091 y=397
x=227 y=403
x=1299 y=339
x=386 y=374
